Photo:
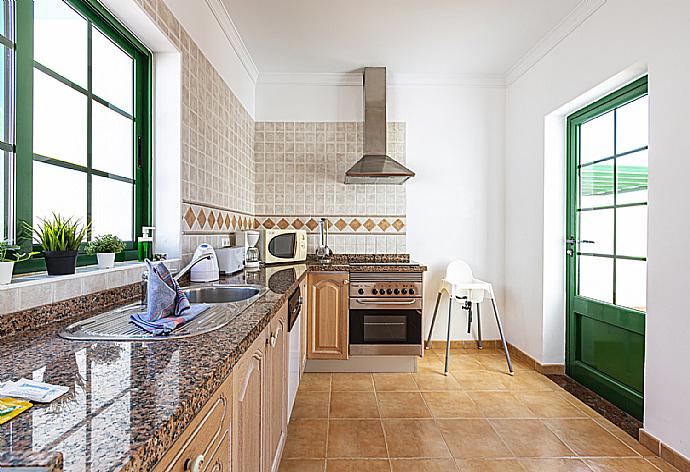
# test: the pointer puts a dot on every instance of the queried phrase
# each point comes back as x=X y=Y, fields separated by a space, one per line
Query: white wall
x=455 y=138
x=611 y=44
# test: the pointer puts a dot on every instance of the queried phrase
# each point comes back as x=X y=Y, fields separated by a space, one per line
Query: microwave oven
x=283 y=245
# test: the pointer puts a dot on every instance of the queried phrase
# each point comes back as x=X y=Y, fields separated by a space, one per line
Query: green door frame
x=619 y=325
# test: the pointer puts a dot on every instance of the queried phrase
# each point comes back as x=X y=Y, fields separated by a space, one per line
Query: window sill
x=38 y=288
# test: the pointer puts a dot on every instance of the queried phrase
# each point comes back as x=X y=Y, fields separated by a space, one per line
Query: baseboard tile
x=670 y=455
x=546 y=369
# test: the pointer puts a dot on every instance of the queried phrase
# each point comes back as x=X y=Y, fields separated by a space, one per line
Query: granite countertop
x=129 y=401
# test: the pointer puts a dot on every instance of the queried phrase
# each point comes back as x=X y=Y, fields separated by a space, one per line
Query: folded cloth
x=167 y=307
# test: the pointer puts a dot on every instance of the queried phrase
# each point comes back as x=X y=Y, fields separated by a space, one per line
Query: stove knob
x=404 y=291
x=389 y=292
x=396 y=291
x=374 y=291
x=411 y=291
x=360 y=291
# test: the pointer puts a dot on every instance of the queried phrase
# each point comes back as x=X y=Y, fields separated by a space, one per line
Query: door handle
x=581 y=241
x=407 y=302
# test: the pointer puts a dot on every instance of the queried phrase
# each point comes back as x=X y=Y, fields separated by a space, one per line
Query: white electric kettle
x=205 y=270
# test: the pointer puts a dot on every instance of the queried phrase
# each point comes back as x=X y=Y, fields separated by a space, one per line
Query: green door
x=606 y=250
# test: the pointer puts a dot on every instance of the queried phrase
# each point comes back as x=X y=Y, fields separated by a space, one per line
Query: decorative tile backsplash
x=300 y=169
x=217 y=166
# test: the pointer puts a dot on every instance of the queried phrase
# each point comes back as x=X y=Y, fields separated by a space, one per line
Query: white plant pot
x=106 y=260
x=6 y=269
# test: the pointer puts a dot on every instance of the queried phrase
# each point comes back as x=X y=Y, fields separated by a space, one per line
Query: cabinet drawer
x=202 y=437
x=220 y=457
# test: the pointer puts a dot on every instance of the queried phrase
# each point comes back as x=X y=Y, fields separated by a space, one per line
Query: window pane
x=631 y=284
x=597 y=226
x=58 y=190
x=4 y=18
x=5 y=199
x=631 y=231
x=5 y=98
x=596 y=138
x=112 y=207
x=596 y=278
x=596 y=185
x=60 y=39
x=632 y=131
x=632 y=172
x=113 y=72
x=113 y=147
x=59 y=120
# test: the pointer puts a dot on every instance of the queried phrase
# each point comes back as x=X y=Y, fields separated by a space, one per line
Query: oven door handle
x=408 y=302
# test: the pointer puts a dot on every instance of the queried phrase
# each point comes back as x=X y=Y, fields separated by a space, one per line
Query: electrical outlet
x=225 y=242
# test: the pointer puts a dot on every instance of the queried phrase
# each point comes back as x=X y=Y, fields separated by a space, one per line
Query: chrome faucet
x=176 y=277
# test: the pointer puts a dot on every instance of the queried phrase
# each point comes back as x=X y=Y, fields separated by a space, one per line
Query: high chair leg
x=427 y=345
x=479 y=328
x=450 y=309
x=503 y=339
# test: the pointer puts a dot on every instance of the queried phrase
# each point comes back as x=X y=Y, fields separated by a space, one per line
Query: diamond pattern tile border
x=337 y=224
x=205 y=220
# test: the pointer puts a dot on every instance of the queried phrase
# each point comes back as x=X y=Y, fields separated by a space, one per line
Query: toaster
x=230 y=259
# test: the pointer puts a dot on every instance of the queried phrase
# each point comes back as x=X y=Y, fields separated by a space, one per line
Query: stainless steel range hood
x=375 y=167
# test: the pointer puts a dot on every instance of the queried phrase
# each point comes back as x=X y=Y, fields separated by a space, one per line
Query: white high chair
x=460 y=284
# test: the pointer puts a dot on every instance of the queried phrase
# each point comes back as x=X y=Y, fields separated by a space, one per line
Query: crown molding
x=562 y=30
x=226 y=24
x=354 y=79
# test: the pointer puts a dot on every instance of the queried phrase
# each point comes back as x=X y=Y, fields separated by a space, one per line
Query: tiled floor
x=476 y=419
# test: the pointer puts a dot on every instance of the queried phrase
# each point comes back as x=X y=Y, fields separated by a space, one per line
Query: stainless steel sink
x=222 y=293
x=227 y=302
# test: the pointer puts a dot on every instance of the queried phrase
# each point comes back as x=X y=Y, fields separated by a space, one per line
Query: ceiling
x=473 y=37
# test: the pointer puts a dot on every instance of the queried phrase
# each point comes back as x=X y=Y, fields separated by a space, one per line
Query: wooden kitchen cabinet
x=303 y=326
x=205 y=445
x=276 y=394
x=249 y=409
x=327 y=330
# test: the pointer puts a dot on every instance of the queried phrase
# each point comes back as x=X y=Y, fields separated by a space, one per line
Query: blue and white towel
x=168 y=307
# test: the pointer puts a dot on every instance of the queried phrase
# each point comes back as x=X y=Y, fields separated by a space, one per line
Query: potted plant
x=7 y=263
x=60 y=238
x=105 y=247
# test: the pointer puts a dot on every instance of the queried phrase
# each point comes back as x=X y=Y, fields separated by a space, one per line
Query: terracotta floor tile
x=480 y=380
x=661 y=464
x=527 y=380
x=315 y=382
x=394 y=383
x=414 y=439
x=451 y=404
x=302 y=465
x=587 y=438
x=620 y=465
x=430 y=381
x=422 y=465
x=472 y=439
x=357 y=465
x=356 y=439
x=624 y=437
x=498 y=363
x=461 y=362
x=402 y=405
x=352 y=382
x=554 y=465
x=489 y=465
x=306 y=439
x=500 y=405
x=353 y=405
x=530 y=438
x=549 y=405
x=311 y=405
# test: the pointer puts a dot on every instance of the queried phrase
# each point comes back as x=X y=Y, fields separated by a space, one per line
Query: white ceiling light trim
x=354 y=79
x=225 y=21
x=562 y=30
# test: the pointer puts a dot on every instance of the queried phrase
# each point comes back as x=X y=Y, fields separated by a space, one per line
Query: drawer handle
x=195 y=464
x=273 y=340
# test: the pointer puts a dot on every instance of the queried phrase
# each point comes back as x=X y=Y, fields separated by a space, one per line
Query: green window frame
x=97 y=17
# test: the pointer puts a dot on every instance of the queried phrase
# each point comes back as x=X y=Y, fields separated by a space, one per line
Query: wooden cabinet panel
x=304 y=321
x=277 y=354
x=327 y=330
x=204 y=442
x=249 y=411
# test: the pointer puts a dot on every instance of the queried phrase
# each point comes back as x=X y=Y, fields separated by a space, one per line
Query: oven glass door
x=395 y=326
x=283 y=246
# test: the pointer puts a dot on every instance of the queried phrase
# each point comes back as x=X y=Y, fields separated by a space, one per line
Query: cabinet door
x=304 y=321
x=276 y=349
x=328 y=315
x=249 y=409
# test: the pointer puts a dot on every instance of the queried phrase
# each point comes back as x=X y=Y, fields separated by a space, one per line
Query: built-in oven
x=385 y=314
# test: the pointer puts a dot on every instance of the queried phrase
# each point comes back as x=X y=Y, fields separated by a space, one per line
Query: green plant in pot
x=105 y=247
x=9 y=254
x=60 y=239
